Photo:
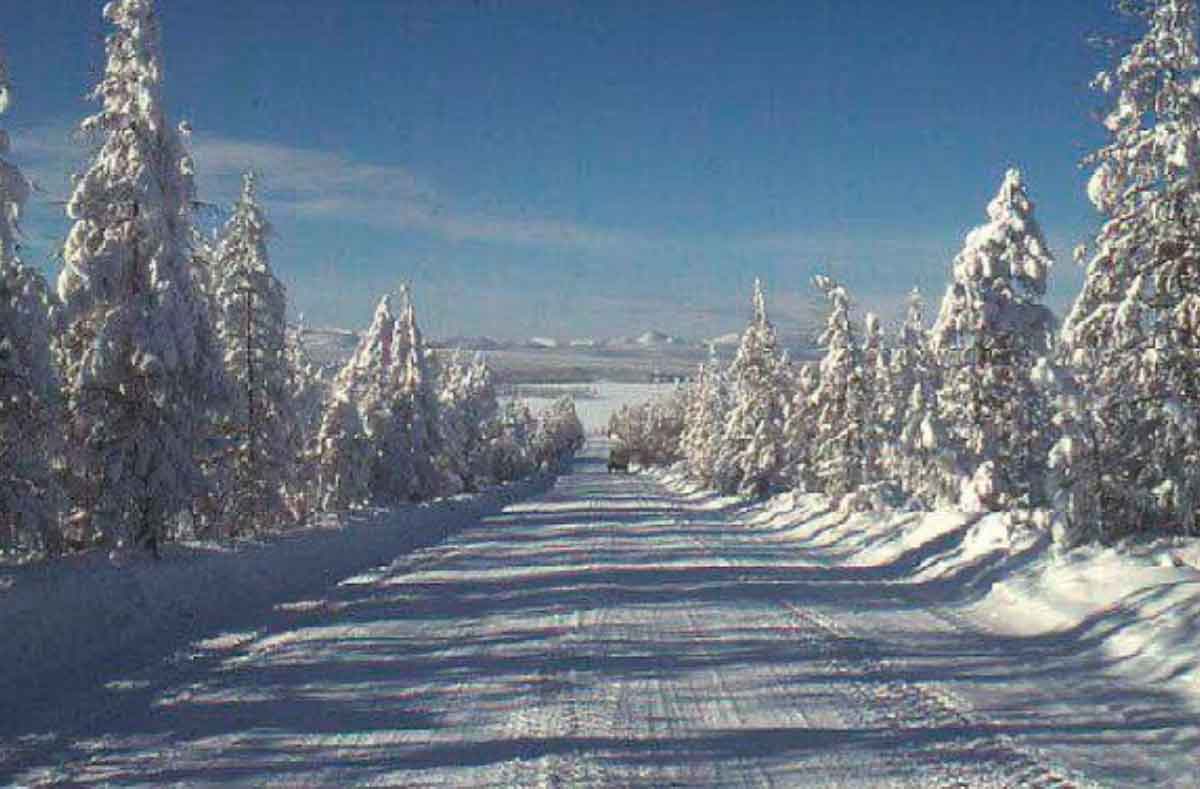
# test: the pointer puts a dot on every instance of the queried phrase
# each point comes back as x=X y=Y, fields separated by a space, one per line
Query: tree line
x=997 y=405
x=157 y=392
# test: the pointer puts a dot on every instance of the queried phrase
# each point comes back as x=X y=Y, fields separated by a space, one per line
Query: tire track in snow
x=906 y=706
x=564 y=706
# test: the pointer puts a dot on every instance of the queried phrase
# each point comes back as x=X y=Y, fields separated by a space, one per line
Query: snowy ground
x=1104 y=644
x=623 y=631
x=73 y=624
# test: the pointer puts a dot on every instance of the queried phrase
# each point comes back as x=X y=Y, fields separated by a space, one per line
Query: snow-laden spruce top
x=247 y=230
x=25 y=370
x=23 y=300
x=1129 y=455
x=998 y=276
x=132 y=206
x=14 y=189
x=1146 y=184
x=408 y=346
x=757 y=355
x=140 y=362
x=5 y=88
x=840 y=399
x=28 y=388
x=372 y=361
x=244 y=279
x=753 y=430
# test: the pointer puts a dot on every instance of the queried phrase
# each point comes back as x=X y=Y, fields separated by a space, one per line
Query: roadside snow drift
x=83 y=617
x=1137 y=605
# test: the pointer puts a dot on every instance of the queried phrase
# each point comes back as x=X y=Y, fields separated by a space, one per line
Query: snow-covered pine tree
x=558 y=436
x=28 y=387
x=251 y=323
x=1129 y=459
x=876 y=386
x=412 y=443
x=704 y=422
x=510 y=446
x=692 y=405
x=485 y=408
x=204 y=265
x=916 y=457
x=800 y=429
x=344 y=454
x=839 y=401
x=908 y=363
x=450 y=379
x=306 y=392
x=989 y=334
x=651 y=431
x=665 y=426
x=752 y=452
x=467 y=407
x=136 y=354
x=369 y=381
x=207 y=516
x=368 y=373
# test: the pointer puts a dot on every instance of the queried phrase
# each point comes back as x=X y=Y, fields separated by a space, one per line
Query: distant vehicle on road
x=618 y=460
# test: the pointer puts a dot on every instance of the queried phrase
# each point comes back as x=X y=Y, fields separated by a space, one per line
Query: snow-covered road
x=606 y=633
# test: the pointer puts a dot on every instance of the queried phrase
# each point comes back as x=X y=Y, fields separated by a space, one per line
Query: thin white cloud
x=321 y=185
x=309 y=184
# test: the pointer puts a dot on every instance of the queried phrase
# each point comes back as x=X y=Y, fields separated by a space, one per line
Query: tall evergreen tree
x=1129 y=459
x=876 y=385
x=908 y=364
x=344 y=454
x=370 y=383
x=510 y=446
x=752 y=452
x=704 y=420
x=136 y=349
x=917 y=457
x=989 y=334
x=467 y=405
x=306 y=392
x=251 y=308
x=839 y=402
x=28 y=388
x=558 y=435
x=412 y=443
x=800 y=429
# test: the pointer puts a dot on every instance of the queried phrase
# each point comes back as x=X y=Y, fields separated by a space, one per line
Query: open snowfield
x=604 y=398
x=627 y=631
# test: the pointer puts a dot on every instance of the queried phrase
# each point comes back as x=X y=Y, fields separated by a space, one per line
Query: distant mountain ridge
x=651 y=355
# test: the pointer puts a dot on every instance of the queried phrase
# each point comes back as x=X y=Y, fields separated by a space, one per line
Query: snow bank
x=1141 y=604
x=86 y=616
x=1138 y=605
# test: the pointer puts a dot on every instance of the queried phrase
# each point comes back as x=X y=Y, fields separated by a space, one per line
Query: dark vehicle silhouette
x=618 y=460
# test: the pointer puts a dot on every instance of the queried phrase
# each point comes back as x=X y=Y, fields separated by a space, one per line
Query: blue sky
x=598 y=168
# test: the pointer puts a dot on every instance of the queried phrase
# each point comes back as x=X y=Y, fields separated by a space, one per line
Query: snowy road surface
x=608 y=633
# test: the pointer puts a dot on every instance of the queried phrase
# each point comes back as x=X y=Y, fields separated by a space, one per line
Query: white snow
x=652 y=338
x=611 y=631
x=1135 y=607
x=86 y=612
x=594 y=412
x=729 y=340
